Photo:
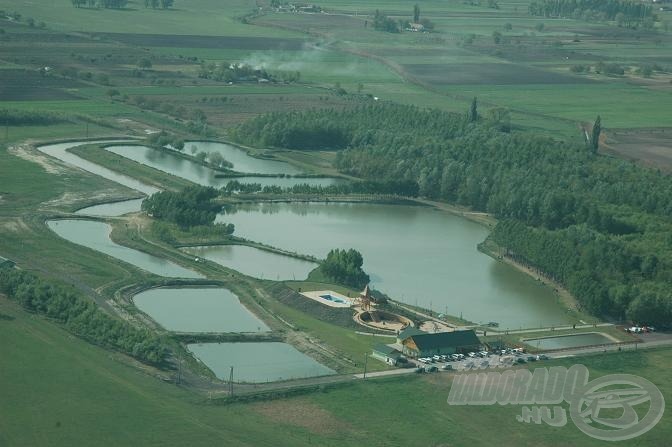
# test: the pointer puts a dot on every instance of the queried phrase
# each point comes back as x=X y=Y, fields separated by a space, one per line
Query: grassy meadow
x=89 y=67
x=72 y=393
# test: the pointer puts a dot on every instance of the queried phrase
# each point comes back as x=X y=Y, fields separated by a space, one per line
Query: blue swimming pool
x=333 y=299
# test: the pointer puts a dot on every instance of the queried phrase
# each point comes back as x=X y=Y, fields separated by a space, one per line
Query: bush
x=345 y=267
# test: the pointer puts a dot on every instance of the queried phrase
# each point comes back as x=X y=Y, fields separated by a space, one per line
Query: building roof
x=445 y=339
x=409 y=331
x=385 y=349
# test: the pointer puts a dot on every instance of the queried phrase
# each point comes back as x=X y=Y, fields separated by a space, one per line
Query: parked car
x=431 y=369
x=447 y=367
x=484 y=353
x=542 y=357
x=472 y=355
x=444 y=357
x=521 y=360
x=531 y=358
x=422 y=360
x=455 y=357
x=436 y=358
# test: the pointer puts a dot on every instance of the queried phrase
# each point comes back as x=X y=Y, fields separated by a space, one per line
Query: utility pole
x=87 y=130
x=231 y=382
x=366 y=359
x=179 y=370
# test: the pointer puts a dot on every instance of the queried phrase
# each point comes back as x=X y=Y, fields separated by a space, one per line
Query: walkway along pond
x=60 y=151
x=254 y=262
x=165 y=161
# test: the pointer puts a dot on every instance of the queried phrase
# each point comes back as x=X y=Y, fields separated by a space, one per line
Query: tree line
x=404 y=188
x=626 y=12
x=120 y=4
x=80 y=316
x=11 y=117
x=553 y=190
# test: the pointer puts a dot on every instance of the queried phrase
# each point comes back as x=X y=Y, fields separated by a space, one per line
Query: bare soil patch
x=301 y=413
x=191 y=41
x=27 y=85
x=27 y=153
x=650 y=147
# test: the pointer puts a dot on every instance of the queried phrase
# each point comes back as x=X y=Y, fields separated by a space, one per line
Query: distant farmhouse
x=414 y=343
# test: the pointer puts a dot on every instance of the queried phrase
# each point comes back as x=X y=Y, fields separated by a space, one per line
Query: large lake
x=165 y=161
x=257 y=362
x=96 y=235
x=254 y=262
x=419 y=255
x=191 y=309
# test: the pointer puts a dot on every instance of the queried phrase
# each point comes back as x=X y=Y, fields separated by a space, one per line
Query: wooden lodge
x=427 y=345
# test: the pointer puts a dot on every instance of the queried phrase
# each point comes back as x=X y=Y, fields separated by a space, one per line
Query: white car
x=472 y=355
x=436 y=358
x=484 y=353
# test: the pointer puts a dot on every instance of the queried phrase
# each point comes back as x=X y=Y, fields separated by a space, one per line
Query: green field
x=71 y=393
x=138 y=70
x=198 y=17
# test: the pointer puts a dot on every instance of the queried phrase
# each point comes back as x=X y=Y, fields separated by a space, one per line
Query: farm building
x=424 y=345
x=408 y=332
x=386 y=353
x=4 y=262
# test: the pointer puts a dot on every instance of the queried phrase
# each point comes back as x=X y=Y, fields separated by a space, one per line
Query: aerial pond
x=257 y=362
x=96 y=235
x=191 y=309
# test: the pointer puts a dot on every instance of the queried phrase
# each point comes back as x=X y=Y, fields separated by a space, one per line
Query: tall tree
x=473 y=111
x=416 y=13
x=595 y=136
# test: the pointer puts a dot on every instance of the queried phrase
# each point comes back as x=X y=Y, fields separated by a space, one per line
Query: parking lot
x=477 y=361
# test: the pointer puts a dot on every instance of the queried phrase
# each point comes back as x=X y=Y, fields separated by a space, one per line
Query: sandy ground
x=27 y=152
x=649 y=147
x=301 y=413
